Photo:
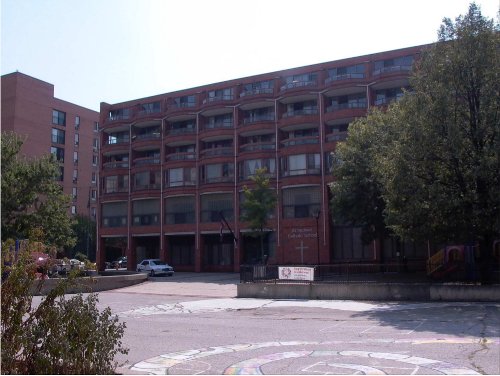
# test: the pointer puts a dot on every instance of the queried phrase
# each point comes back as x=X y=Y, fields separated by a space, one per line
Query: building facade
x=51 y=125
x=173 y=165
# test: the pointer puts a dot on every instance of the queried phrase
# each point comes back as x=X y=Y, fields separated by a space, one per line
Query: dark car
x=120 y=263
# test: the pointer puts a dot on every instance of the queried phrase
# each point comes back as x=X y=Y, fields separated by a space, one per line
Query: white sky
x=116 y=50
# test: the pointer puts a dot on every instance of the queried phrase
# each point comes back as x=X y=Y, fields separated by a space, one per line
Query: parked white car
x=155 y=267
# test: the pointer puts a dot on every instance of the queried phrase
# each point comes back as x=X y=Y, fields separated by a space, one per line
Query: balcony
x=261 y=146
x=336 y=136
x=218 y=179
x=301 y=112
x=347 y=105
x=217 y=152
x=257 y=119
x=304 y=171
x=256 y=91
x=300 y=141
x=188 y=156
x=226 y=124
x=179 y=218
x=147 y=136
x=147 y=161
x=343 y=77
x=298 y=85
x=392 y=69
x=150 y=186
x=218 y=98
x=115 y=165
x=181 y=131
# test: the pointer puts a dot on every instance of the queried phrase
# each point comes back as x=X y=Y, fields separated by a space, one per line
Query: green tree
x=259 y=203
x=441 y=176
x=31 y=198
x=61 y=335
x=356 y=192
x=84 y=229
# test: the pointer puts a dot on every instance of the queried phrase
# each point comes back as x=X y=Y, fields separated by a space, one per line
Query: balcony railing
x=303 y=171
x=300 y=141
x=147 y=136
x=343 y=106
x=305 y=111
x=296 y=84
x=114 y=221
x=181 y=131
x=117 y=141
x=256 y=119
x=214 y=215
x=346 y=76
x=115 y=190
x=217 y=152
x=149 y=112
x=181 y=183
x=218 y=124
x=247 y=93
x=219 y=98
x=219 y=179
x=146 y=219
x=115 y=164
x=181 y=156
x=146 y=161
x=258 y=146
x=152 y=186
x=339 y=136
x=394 y=68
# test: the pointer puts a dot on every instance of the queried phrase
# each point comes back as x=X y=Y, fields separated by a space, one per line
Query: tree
x=441 y=177
x=59 y=336
x=84 y=229
x=356 y=192
x=438 y=170
x=31 y=198
x=259 y=202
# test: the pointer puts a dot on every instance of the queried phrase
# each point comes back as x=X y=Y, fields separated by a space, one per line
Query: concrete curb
x=92 y=284
x=372 y=292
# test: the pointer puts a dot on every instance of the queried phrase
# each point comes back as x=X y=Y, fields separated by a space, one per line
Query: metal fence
x=357 y=273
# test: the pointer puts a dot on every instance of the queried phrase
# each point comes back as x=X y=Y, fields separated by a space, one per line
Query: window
x=262 y=87
x=120 y=114
x=146 y=212
x=147 y=180
x=94 y=160
x=75 y=176
x=77 y=122
x=347 y=101
x=302 y=202
x=213 y=204
x=118 y=138
x=342 y=73
x=58 y=153
x=185 y=101
x=93 y=194
x=95 y=144
x=182 y=176
x=77 y=139
x=73 y=209
x=114 y=214
x=58 y=136
x=96 y=126
x=258 y=114
x=300 y=80
x=61 y=174
x=94 y=178
x=216 y=173
x=220 y=121
x=93 y=211
x=179 y=210
x=301 y=164
x=150 y=108
x=387 y=95
x=115 y=184
x=58 y=118
x=75 y=157
x=220 y=95
x=181 y=127
x=74 y=193
x=403 y=63
x=301 y=108
x=248 y=168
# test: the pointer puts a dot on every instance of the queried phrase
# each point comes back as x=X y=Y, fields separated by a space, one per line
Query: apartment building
x=51 y=125
x=174 y=165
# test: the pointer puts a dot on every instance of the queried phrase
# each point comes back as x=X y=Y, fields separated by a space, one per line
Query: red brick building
x=171 y=163
x=51 y=125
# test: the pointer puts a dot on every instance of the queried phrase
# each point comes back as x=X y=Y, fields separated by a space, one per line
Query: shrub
x=60 y=335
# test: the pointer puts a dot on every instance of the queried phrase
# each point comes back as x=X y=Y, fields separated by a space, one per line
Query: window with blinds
x=114 y=214
x=213 y=204
x=179 y=210
x=146 y=212
x=301 y=202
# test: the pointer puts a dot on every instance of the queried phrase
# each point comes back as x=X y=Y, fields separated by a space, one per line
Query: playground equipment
x=454 y=262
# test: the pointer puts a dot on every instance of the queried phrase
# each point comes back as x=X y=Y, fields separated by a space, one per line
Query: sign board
x=300 y=273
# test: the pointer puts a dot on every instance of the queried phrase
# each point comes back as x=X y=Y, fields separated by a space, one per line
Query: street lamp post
x=317 y=232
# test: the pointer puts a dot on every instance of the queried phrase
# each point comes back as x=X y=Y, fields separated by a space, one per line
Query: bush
x=60 y=336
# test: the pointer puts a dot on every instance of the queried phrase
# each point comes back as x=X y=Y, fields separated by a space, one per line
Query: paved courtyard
x=193 y=324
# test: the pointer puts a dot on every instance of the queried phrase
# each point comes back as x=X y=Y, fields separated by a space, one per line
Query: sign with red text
x=300 y=273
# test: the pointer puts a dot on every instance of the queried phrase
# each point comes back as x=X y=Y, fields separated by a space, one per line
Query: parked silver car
x=155 y=267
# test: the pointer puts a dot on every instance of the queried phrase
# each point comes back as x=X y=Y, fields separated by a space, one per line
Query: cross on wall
x=301 y=248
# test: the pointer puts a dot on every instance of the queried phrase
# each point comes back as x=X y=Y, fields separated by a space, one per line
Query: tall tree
x=259 y=203
x=441 y=177
x=31 y=198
